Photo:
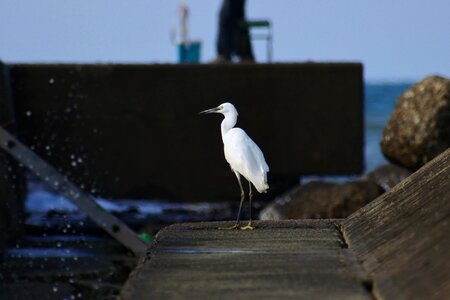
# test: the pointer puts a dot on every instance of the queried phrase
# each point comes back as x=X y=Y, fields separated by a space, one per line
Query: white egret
x=243 y=155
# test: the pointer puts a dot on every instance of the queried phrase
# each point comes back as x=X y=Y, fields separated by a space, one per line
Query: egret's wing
x=261 y=163
x=259 y=156
x=238 y=153
x=245 y=157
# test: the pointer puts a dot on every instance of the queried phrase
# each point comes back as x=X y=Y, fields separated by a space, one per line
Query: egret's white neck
x=228 y=122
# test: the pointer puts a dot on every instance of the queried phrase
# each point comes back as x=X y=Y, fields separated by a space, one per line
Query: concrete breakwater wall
x=132 y=131
x=396 y=247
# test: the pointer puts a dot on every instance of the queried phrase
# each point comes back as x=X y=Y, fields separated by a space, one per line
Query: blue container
x=189 y=52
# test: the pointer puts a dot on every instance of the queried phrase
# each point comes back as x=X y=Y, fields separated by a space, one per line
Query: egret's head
x=223 y=108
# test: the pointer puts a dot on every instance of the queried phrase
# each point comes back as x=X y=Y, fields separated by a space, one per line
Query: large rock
x=387 y=176
x=322 y=200
x=278 y=208
x=332 y=200
x=419 y=127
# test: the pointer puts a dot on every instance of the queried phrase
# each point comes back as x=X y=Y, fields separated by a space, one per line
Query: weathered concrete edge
x=305 y=64
x=303 y=223
x=345 y=224
x=285 y=224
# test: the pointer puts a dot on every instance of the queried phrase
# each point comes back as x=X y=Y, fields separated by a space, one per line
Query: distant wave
x=374 y=126
x=385 y=82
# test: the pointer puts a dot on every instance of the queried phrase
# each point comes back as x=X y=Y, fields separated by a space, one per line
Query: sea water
x=379 y=102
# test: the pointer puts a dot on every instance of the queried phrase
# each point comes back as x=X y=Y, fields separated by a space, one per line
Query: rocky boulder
x=278 y=208
x=419 y=127
x=387 y=176
x=322 y=200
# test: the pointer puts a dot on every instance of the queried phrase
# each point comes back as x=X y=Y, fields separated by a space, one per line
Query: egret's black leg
x=250 y=196
x=236 y=225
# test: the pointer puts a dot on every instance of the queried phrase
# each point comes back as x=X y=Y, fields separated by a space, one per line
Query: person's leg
x=245 y=51
x=224 y=40
x=241 y=37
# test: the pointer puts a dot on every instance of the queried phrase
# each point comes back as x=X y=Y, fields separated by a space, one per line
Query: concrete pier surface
x=397 y=247
x=278 y=260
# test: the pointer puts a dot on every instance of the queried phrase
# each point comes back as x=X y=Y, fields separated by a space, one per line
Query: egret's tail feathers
x=262 y=185
x=262 y=188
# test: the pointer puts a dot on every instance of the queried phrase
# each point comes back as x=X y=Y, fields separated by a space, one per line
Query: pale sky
x=395 y=40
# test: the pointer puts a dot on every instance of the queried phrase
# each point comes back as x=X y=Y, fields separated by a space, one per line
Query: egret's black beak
x=209 y=111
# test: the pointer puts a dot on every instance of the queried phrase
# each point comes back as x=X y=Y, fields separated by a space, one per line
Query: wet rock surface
x=419 y=127
x=277 y=209
x=387 y=176
x=331 y=200
x=318 y=199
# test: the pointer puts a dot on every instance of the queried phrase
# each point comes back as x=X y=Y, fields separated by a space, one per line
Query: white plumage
x=243 y=155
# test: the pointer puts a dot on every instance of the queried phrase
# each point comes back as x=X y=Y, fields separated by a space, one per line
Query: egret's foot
x=247 y=227
x=235 y=226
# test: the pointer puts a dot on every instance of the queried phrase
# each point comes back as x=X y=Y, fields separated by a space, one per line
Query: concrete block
x=133 y=131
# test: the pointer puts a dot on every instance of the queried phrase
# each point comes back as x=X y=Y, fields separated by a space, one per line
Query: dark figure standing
x=233 y=39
